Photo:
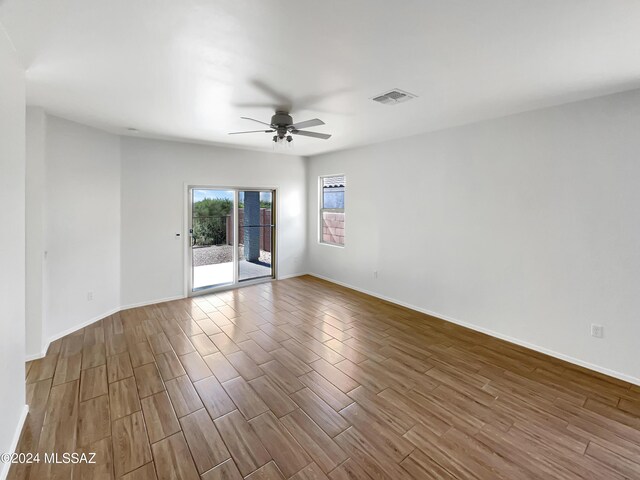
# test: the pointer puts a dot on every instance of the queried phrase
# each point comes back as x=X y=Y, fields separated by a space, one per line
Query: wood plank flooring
x=302 y=379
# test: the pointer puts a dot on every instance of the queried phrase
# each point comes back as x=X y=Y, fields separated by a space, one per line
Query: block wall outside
x=265 y=232
x=333 y=227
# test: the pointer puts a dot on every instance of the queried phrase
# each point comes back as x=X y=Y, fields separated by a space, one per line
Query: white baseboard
x=14 y=441
x=66 y=332
x=291 y=275
x=522 y=343
x=75 y=328
x=53 y=338
x=151 y=302
x=34 y=356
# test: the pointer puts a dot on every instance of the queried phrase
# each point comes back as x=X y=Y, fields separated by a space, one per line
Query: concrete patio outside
x=213 y=265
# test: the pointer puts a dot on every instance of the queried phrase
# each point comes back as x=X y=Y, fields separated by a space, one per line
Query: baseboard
x=152 y=302
x=292 y=275
x=75 y=328
x=53 y=338
x=492 y=333
x=34 y=356
x=14 y=441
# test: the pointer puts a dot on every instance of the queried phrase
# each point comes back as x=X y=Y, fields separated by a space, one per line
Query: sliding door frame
x=188 y=251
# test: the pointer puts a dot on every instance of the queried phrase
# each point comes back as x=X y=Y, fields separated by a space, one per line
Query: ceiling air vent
x=394 y=97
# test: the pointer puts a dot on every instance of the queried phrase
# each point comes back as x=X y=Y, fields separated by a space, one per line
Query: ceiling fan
x=283 y=126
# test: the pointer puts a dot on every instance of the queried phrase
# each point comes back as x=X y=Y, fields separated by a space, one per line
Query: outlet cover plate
x=597 y=331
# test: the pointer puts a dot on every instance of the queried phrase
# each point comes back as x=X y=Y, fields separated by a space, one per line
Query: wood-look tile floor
x=304 y=379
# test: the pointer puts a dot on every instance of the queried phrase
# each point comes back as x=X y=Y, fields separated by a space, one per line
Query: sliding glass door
x=232 y=233
x=212 y=235
x=255 y=234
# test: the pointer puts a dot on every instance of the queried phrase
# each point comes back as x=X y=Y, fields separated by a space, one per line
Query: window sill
x=331 y=244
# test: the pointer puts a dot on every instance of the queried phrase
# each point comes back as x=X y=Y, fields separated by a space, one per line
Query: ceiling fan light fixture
x=283 y=126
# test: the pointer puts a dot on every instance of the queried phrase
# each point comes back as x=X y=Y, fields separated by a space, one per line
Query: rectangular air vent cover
x=394 y=97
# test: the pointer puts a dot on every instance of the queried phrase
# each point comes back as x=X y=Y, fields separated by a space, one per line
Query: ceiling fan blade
x=253 y=105
x=323 y=136
x=309 y=123
x=254 y=120
x=283 y=102
x=252 y=131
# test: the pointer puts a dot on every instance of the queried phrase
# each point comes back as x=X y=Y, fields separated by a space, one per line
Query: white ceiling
x=188 y=69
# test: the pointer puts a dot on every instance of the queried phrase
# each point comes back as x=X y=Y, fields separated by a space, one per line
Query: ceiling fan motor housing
x=282 y=125
x=280 y=121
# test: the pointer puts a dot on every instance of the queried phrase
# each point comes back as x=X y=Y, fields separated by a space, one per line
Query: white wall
x=36 y=125
x=154 y=175
x=12 y=249
x=82 y=225
x=107 y=216
x=525 y=226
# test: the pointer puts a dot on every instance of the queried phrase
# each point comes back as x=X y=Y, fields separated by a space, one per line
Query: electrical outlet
x=375 y=274
x=597 y=331
x=89 y=296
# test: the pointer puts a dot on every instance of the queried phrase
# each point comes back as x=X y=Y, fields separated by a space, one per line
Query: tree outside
x=210 y=221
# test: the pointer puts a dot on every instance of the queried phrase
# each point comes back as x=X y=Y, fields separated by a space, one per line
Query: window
x=332 y=209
